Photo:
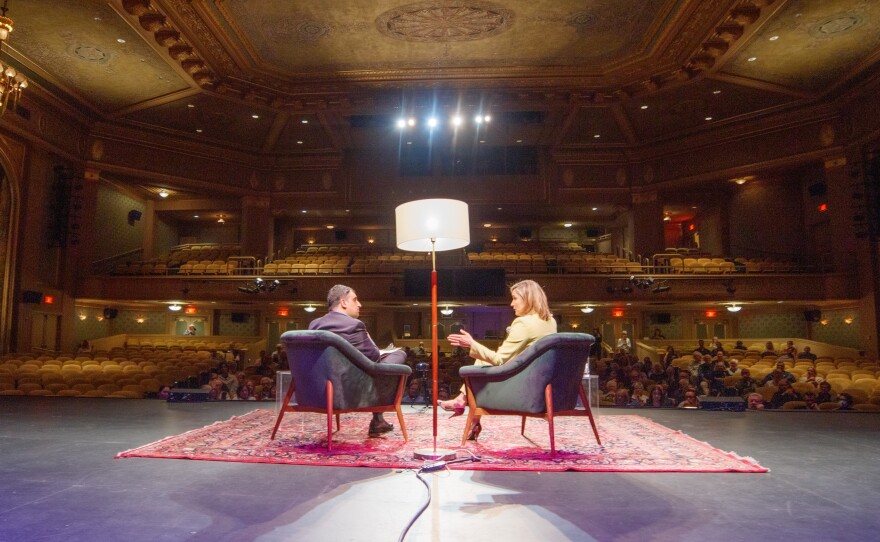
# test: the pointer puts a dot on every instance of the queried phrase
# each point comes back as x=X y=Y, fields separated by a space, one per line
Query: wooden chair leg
x=590 y=414
x=287 y=397
x=337 y=421
x=522 y=430
x=401 y=422
x=548 y=399
x=329 y=415
x=470 y=417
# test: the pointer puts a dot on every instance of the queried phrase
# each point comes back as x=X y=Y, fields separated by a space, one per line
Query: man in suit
x=342 y=319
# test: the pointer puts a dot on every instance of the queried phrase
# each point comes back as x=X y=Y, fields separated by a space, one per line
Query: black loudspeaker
x=30 y=296
x=817 y=189
x=341 y=235
x=813 y=315
x=239 y=317
x=186 y=395
x=134 y=215
x=593 y=232
x=525 y=233
x=728 y=404
x=662 y=318
x=110 y=313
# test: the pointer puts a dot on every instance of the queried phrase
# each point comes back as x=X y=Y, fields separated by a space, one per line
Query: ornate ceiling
x=282 y=77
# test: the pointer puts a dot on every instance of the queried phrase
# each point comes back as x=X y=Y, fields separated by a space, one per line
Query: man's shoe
x=380 y=428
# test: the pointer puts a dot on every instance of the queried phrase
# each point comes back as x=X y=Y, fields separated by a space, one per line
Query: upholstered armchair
x=543 y=381
x=331 y=376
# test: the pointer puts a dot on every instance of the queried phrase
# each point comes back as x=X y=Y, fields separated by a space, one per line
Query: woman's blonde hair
x=534 y=297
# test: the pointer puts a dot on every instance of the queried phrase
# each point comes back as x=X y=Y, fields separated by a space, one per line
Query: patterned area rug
x=630 y=444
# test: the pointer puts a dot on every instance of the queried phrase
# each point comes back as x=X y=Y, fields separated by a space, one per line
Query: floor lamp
x=432 y=225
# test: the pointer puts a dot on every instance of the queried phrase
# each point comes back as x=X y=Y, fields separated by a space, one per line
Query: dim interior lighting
x=740 y=181
x=174 y=307
x=711 y=314
x=99 y=317
x=139 y=319
x=163 y=193
x=310 y=308
x=575 y=325
x=82 y=316
x=221 y=220
x=567 y=225
x=617 y=313
x=446 y=311
x=734 y=308
x=371 y=240
x=330 y=226
x=667 y=218
x=848 y=320
x=823 y=207
x=587 y=310
x=487 y=225
x=283 y=311
x=824 y=321
x=190 y=309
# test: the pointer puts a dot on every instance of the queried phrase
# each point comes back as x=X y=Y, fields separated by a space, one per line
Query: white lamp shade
x=445 y=221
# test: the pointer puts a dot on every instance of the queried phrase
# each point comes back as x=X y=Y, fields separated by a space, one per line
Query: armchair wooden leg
x=337 y=421
x=287 y=397
x=522 y=430
x=590 y=414
x=472 y=405
x=401 y=422
x=330 y=415
x=548 y=399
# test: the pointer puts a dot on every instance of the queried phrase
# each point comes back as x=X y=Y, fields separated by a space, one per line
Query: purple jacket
x=351 y=329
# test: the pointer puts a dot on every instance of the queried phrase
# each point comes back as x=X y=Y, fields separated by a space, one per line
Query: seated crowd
x=791 y=382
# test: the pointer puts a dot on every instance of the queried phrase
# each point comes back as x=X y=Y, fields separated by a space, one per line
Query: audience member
x=701 y=348
x=657 y=334
x=640 y=397
x=733 y=367
x=668 y=356
x=826 y=394
x=746 y=385
x=84 y=348
x=810 y=401
x=769 y=350
x=621 y=398
x=739 y=346
x=807 y=354
x=784 y=394
x=624 y=344
x=812 y=377
x=846 y=401
x=779 y=373
x=755 y=401
x=413 y=392
x=690 y=400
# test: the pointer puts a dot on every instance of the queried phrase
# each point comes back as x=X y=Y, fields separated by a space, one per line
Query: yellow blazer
x=523 y=332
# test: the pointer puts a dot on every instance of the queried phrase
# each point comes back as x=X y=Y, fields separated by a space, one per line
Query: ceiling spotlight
x=174 y=307
x=446 y=311
x=432 y=122
x=734 y=308
x=567 y=225
x=478 y=119
x=401 y=123
x=487 y=118
x=457 y=120
x=310 y=308
x=163 y=193
x=587 y=310
x=411 y=121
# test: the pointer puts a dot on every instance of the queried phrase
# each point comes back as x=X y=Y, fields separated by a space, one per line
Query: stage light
x=432 y=122
x=411 y=121
x=478 y=119
x=457 y=120
x=401 y=123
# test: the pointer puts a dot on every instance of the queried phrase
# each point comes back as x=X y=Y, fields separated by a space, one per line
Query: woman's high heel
x=476 y=429
x=456 y=406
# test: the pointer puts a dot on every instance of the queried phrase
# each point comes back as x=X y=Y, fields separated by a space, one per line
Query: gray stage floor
x=60 y=482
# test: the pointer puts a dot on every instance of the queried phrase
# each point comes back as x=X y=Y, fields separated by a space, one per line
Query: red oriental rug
x=630 y=444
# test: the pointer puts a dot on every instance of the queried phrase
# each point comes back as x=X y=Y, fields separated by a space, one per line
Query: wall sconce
x=311 y=240
x=824 y=321
x=848 y=320
x=575 y=325
x=82 y=316
x=139 y=319
x=587 y=309
x=734 y=308
x=371 y=240
x=100 y=317
x=174 y=307
x=310 y=308
x=446 y=311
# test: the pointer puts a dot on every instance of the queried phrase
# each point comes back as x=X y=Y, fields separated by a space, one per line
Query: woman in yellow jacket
x=533 y=321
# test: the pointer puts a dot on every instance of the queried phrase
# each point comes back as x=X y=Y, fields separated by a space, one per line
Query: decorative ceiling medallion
x=298 y=27
x=90 y=53
x=440 y=22
x=837 y=24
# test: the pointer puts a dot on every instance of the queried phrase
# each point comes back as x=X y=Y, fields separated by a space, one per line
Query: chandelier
x=11 y=82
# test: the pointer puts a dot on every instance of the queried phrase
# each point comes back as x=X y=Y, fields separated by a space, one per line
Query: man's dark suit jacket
x=351 y=329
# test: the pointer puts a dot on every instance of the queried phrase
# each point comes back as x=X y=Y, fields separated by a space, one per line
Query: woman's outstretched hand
x=462 y=339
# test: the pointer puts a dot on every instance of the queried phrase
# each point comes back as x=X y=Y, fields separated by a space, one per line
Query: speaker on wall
x=110 y=313
x=813 y=315
x=30 y=296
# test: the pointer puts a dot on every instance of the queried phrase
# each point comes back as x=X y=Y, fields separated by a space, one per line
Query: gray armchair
x=331 y=376
x=543 y=381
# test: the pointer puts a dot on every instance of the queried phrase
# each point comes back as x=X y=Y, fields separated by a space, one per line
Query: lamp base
x=430 y=454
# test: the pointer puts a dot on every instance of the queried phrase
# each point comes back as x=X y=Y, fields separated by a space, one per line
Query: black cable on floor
x=433 y=467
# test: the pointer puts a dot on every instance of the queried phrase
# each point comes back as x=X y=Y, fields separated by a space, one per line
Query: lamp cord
x=433 y=467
